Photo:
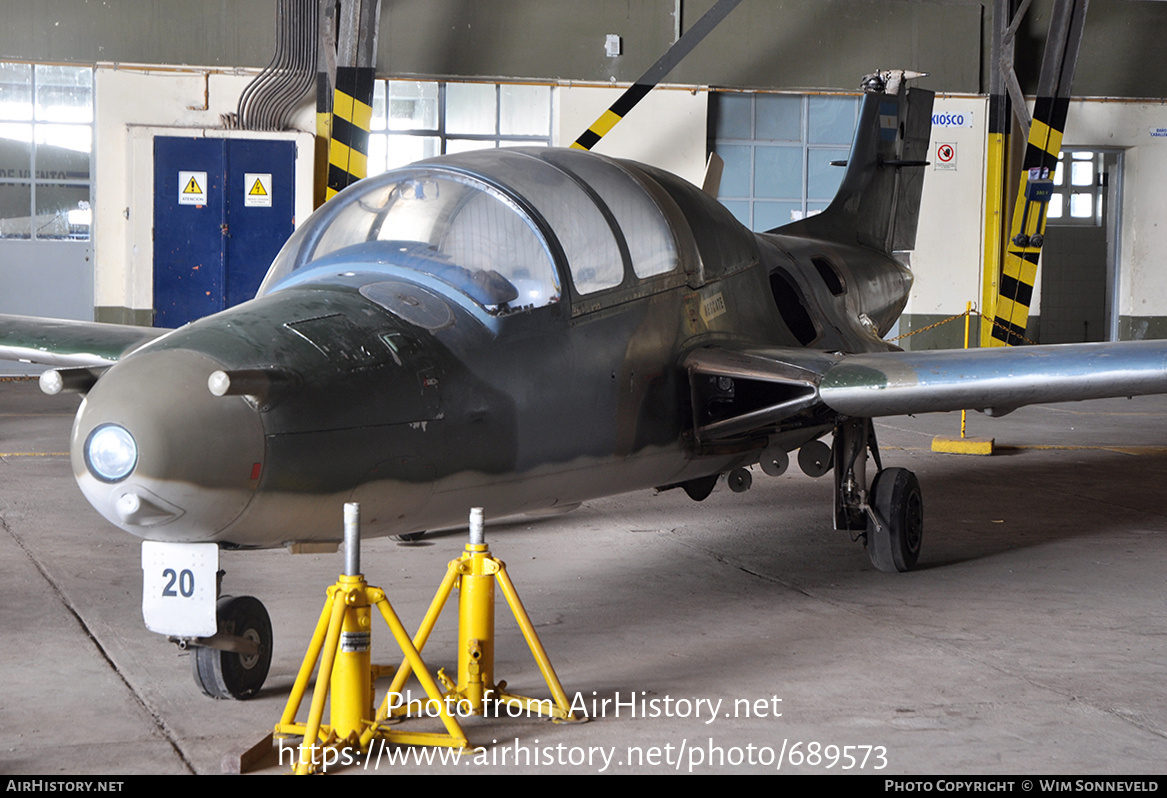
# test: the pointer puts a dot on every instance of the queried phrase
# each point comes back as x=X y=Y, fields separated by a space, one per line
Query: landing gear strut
x=891 y=513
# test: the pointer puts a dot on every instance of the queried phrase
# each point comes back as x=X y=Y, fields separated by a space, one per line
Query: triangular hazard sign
x=192 y=187
x=257 y=190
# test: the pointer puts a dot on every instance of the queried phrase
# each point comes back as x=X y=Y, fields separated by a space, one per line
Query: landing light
x=111 y=453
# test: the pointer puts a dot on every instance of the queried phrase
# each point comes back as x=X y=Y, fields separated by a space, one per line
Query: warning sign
x=257 y=189
x=946 y=156
x=192 y=188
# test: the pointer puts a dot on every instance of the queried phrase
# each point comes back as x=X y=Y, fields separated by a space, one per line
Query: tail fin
x=878 y=202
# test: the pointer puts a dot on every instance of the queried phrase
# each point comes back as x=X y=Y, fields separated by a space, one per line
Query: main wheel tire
x=408 y=537
x=896 y=498
x=225 y=674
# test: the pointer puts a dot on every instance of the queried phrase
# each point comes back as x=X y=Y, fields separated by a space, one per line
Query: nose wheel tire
x=894 y=544
x=226 y=674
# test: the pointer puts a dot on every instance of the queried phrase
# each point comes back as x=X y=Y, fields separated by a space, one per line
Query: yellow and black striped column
x=1027 y=229
x=1019 y=270
x=352 y=113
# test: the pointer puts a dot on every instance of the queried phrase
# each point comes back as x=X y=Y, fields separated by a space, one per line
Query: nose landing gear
x=238 y=668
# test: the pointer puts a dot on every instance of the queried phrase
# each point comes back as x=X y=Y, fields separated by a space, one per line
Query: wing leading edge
x=59 y=342
x=788 y=381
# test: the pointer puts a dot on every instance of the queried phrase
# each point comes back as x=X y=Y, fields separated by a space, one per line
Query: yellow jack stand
x=343 y=635
x=474 y=574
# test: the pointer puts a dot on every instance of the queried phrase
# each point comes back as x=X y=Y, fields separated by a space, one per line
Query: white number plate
x=178 y=588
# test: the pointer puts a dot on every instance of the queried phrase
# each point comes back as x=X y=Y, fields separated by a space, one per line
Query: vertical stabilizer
x=878 y=202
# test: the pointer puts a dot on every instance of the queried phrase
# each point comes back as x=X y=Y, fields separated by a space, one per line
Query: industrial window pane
x=831 y=120
x=377 y=119
x=401 y=150
x=794 y=138
x=466 y=145
x=524 y=110
x=15 y=210
x=413 y=105
x=779 y=117
x=740 y=210
x=377 y=162
x=733 y=117
x=1082 y=173
x=768 y=215
x=778 y=172
x=1081 y=206
x=16 y=91
x=735 y=177
x=62 y=152
x=1056 y=208
x=822 y=179
x=64 y=94
x=15 y=151
x=62 y=211
x=1058 y=174
x=471 y=108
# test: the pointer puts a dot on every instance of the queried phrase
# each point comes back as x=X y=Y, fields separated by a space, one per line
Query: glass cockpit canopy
x=462 y=231
x=492 y=224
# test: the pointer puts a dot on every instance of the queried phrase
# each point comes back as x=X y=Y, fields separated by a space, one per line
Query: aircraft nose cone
x=159 y=455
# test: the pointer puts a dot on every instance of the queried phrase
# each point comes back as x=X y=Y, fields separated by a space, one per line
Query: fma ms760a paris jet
x=523 y=330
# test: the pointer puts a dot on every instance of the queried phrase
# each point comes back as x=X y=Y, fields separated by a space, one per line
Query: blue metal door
x=222 y=210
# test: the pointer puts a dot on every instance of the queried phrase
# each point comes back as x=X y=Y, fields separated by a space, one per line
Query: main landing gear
x=890 y=516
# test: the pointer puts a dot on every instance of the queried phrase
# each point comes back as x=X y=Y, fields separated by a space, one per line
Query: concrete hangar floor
x=1030 y=640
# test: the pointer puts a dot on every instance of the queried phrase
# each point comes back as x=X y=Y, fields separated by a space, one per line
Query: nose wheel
x=237 y=674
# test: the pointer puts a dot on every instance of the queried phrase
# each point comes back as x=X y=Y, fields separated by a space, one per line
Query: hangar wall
x=793 y=45
x=134 y=105
x=765 y=44
x=1139 y=129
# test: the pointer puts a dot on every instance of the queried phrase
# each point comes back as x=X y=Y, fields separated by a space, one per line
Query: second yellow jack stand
x=341 y=643
x=475 y=574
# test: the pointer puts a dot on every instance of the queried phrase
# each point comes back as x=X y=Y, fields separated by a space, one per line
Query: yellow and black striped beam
x=352 y=112
x=1019 y=271
x=636 y=92
x=1027 y=229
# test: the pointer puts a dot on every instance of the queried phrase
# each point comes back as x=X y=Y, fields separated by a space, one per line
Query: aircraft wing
x=58 y=342
x=775 y=383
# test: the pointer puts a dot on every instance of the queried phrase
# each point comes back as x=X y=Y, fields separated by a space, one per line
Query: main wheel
x=225 y=674
x=408 y=537
x=894 y=545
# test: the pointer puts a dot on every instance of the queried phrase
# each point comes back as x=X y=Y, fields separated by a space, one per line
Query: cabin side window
x=649 y=239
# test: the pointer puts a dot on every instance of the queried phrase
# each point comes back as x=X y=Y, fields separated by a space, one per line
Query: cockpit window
x=461 y=231
x=653 y=249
